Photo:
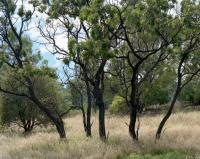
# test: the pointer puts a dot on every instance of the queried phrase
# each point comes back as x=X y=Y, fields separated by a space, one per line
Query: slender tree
x=146 y=33
x=79 y=87
x=89 y=46
x=186 y=49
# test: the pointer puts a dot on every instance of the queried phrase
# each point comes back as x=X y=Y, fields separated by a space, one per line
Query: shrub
x=191 y=93
x=22 y=111
x=118 y=106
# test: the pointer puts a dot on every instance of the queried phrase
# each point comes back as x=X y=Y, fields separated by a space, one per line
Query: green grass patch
x=164 y=155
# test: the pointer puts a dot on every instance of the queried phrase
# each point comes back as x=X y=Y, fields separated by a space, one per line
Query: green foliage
x=118 y=106
x=11 y=6
x=96 y=32
x=157 y=95
x=21 y=11
x=158 y=87
x=26 y=14
x=147 y=24
x=26 y=54
x=72 y=46
x=15 y=109
x=191 y=93
x=162 y=155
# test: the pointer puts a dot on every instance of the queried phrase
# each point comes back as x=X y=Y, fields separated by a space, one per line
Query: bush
x=191 y=93
x=118 y=106
x=22 y=111
x=156 y=95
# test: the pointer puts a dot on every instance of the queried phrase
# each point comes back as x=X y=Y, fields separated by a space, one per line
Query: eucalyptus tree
x=89 y=46
x=21 y=110
x=155 y=88
x=14 y=22
x=185 y=53
x=146 y=31
x=78 y=90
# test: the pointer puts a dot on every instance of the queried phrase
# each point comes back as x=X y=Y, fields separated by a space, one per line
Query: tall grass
x=182 y=132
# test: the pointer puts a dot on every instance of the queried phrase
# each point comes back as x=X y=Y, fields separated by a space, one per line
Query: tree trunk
x=132 y=124
x=133 y=108
x=166 y=117
x=53 y=115
x=100 y=103
x=102 y=130
x=89 y=107
x=57 y=120
x=28 y=126
x=175 y=96
x=84 y=119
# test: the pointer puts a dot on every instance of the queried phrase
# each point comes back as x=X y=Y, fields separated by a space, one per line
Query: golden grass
x=182 y=132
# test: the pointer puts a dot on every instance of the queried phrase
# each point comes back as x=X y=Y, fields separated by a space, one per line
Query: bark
x=53 y=115
x=166 y=117
x=98 y=95
x=97 y=84
x=133 y=108
x=82 y=109
x=175 y=96
x=89 y=107
x=132 y=124
x=28 y=125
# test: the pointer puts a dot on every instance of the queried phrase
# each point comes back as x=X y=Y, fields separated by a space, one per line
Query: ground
x=180 y=140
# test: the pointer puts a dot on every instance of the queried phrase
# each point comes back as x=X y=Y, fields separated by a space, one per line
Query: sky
x=37 y=39
x=53 y=60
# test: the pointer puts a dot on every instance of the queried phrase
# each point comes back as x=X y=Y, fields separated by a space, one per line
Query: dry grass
x=182 y=133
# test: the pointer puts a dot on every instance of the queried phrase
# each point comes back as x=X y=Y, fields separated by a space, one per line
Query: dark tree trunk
x=94 y=106
x=98 y=88
x=57 y=120
x=169 y=112
x=102 y=129
x=132 y=124
x=175 y=96
x=28 y=125
x=84 y=119
x=89 y=107
x=53 y=115
x=100 y=103
x=133 y=107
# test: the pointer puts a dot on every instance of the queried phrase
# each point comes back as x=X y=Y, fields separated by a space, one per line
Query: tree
x=14 y=55
x=78 y=89
x=23 y=111
x=186 y=50
x=89 y=46
x=144 y=31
